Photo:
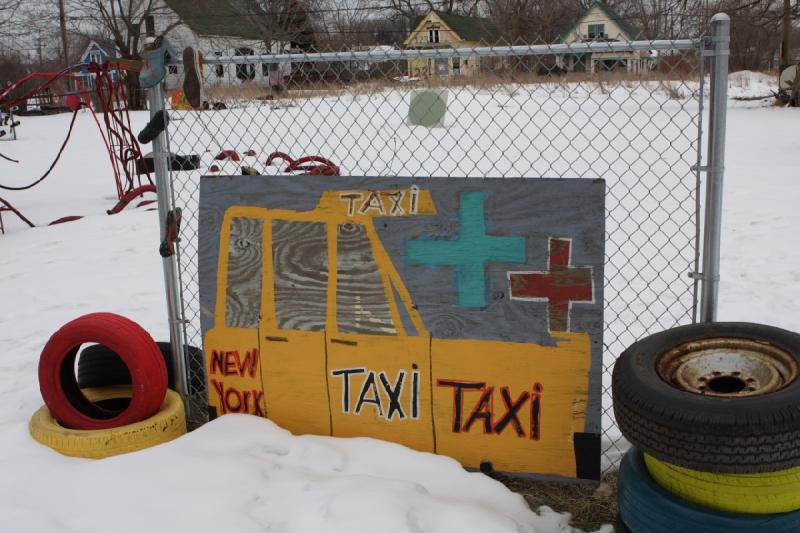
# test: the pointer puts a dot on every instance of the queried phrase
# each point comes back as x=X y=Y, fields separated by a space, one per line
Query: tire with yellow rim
x=765 y=493
x=167 y=424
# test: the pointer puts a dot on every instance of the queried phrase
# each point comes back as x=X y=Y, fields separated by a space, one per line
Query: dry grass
x=590 y=504
x=488 y=81
x=245 y=91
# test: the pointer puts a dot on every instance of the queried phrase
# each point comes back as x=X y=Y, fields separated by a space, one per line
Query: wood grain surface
x=361 y=305
x=300 y=259
x=245 y=259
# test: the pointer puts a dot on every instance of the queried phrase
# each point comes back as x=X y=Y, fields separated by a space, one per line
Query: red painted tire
x=279 y=155
x=134 y=345
x=332 y=168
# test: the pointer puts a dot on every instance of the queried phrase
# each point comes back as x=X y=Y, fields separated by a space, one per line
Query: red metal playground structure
x=130 y=171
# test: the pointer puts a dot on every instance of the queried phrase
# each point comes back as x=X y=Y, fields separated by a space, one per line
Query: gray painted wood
x=245 y=260
x=361 y=305
x=300 y=262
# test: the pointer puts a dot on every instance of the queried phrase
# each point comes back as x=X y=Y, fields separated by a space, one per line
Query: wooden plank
x=361 y=305
x=300 y=259
x=243 y=294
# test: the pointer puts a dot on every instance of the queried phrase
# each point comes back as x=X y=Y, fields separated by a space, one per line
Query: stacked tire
x=119 y=412
x=713 y=412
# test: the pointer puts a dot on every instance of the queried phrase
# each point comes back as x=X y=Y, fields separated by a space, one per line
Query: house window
x=597 y=31
x=219 y=70
x=172 y=69
x=245 y=71
x=433 y=36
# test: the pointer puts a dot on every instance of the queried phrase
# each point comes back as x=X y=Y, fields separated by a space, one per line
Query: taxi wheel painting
x=167 y=424
x=647 y=508
x=715 y=397
x=60 y=389
x=773 y=492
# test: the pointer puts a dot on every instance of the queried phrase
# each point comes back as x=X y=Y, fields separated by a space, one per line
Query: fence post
x=720 y=35
x=155 y=97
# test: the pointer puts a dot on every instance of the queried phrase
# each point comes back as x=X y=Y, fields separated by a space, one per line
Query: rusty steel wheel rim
x=727 y=367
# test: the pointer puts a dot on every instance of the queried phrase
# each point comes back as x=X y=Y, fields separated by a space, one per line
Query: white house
x=600 y=23
x=224 y=28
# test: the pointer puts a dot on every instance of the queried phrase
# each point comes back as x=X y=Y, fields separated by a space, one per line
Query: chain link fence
x=629 y=113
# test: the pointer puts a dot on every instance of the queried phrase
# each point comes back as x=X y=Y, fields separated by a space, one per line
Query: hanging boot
x=193 y=78
x=156 y=54
x=153 y=128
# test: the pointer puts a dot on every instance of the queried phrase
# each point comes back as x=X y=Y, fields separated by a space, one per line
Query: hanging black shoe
x=193 y=78
x=154 y=127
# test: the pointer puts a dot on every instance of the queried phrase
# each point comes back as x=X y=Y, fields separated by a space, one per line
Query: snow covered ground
x=243 y=473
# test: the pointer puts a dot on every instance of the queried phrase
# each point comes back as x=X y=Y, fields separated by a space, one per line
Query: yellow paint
x=563 y=372
x=302 y=392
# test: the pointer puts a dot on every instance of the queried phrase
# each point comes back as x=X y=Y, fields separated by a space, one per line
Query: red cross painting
x=561 y=285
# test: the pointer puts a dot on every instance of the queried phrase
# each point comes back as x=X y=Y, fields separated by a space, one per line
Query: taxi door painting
x=293 y=336
x=378 y=372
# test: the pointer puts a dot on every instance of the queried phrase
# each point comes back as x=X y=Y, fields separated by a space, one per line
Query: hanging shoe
x=155 y=56
x=153 y=128
x=193 y=78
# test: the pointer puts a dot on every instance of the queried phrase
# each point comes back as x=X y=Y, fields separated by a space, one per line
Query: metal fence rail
x=630 y=113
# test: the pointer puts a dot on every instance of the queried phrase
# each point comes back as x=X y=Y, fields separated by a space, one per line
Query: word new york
x=230 y=363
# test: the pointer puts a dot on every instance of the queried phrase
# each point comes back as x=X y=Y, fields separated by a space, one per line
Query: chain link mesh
x=630 y=113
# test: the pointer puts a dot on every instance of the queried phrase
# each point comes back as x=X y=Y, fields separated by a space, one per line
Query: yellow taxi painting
x=456 y=316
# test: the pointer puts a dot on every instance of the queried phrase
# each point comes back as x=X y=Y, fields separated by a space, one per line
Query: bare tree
x=8 y=10
x=282 y=23
x=345 y=23
x=533 y=20
x=407 y=11
x=123 y=21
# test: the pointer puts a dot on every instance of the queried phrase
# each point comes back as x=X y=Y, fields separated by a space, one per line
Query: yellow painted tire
x=167 y=424
x=767 y=493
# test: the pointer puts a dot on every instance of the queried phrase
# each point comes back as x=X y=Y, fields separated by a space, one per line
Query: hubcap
x=727 y=367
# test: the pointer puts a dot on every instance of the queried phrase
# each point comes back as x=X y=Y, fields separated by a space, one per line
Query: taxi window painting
x=361 y=304
x=300 y=263
x=245 y=257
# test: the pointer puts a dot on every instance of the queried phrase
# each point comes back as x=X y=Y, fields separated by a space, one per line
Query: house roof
x=610 y=13
x=106 y=47
x=222 y=18
x=468 y=28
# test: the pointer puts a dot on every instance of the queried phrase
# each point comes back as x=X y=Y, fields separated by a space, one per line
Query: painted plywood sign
x=455 y=316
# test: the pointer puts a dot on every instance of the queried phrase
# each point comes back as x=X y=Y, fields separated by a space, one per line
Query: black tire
x=750 y=434
x=99 y=366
